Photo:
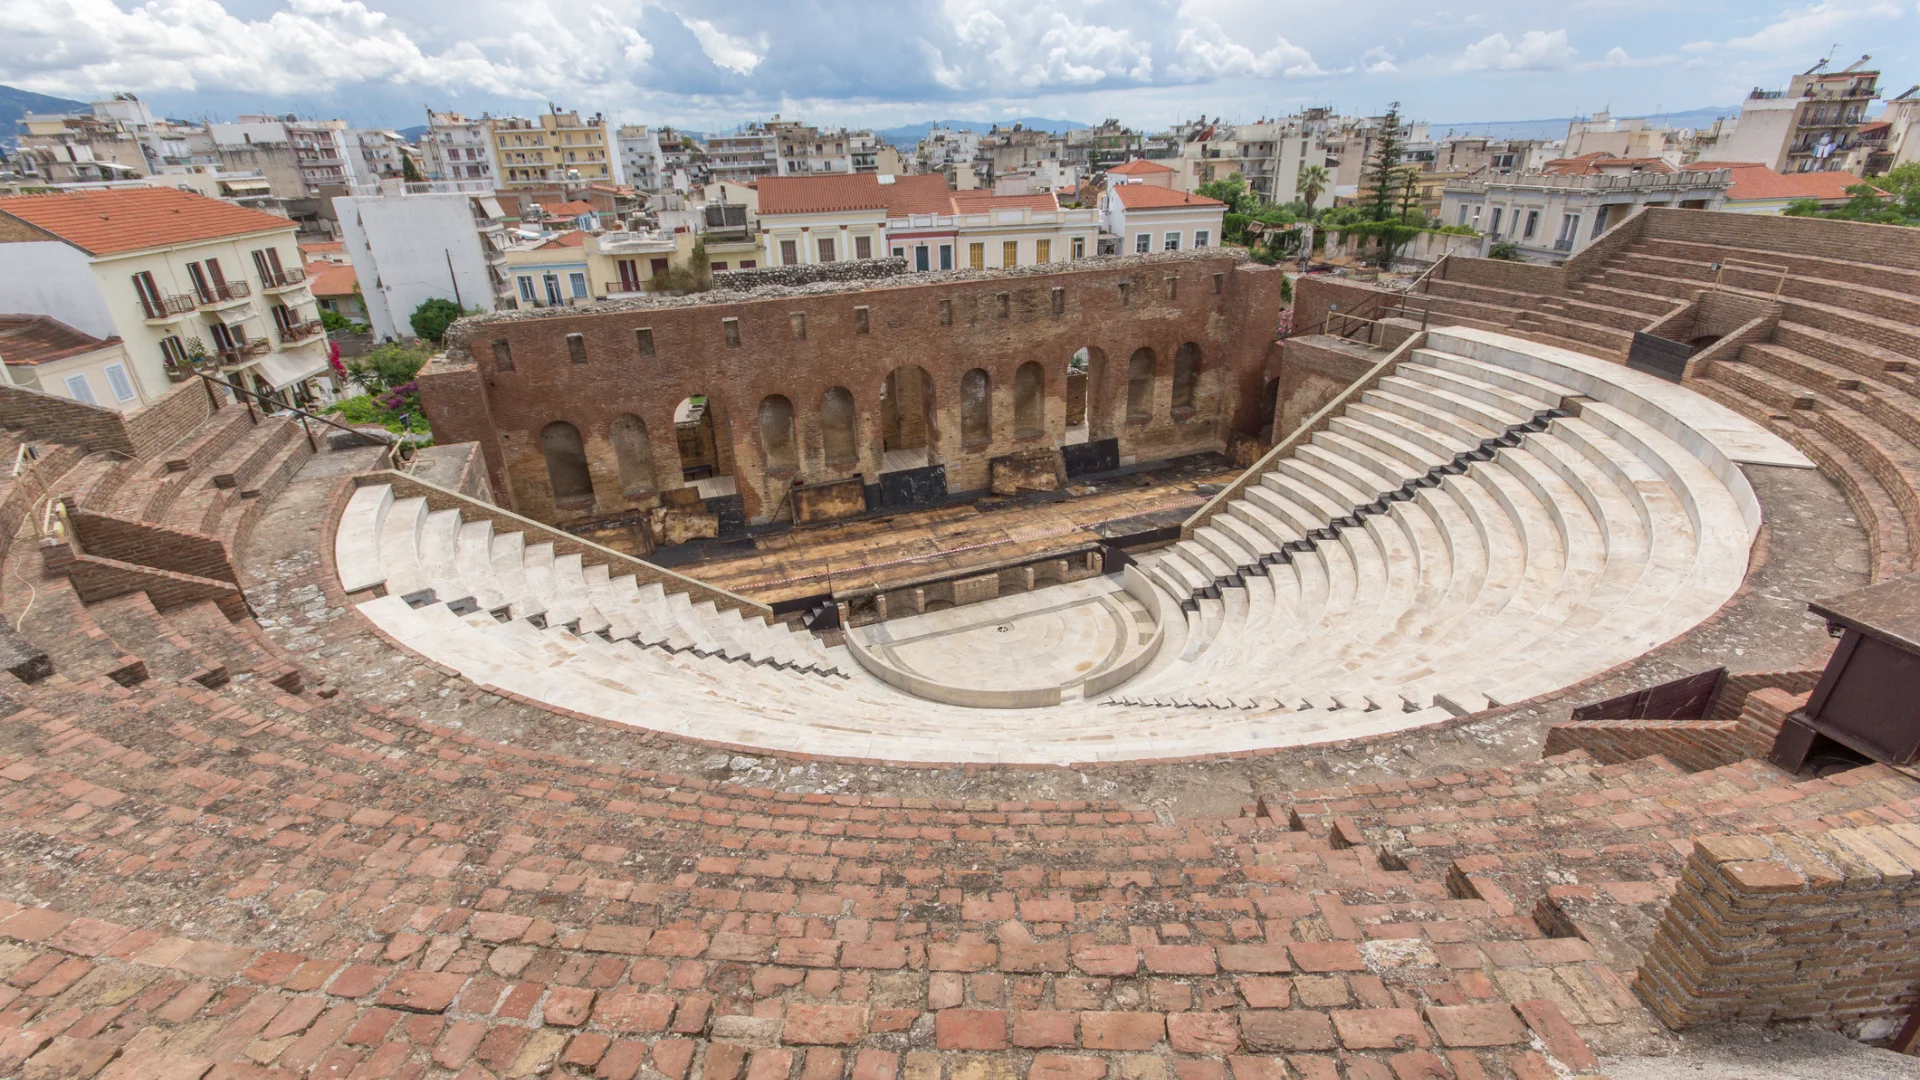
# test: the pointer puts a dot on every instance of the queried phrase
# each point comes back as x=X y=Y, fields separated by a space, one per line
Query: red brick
x=1560 y=1037
x=1247 y=1067
x=613 y=938
x=673 y=1057
x=567 y=1006
x=1476 y=1025
x=1108 y=960
x=1203 y=1032
x=1379 y=1029
x=1264 y=959
x=1121 y=1030
x=884 y=955
x=585 y=1050
x=356 y=980
x=1266 y=992
x=770 y=1063
x=824 y=1063
x=1179 y=959
x=1324 y=956
x=970 y=1029
x=626 y=1010
x=1291 y=1029
x=829 y=1025
x=1199 y=1069
x=1065 y=1067
x=423 y=991
x=876 y=1065
x=1037 y=1028
x=955 y=957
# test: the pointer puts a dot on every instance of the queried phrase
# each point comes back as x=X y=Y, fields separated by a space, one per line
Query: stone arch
x=906 y=409
x=1029 y=400
x=1140 y=372
x=976 y=407
x=1186 y=377
x=839 y=425
x=702 y=435
x=566 y=457
x=776 y=433
x=633 y=453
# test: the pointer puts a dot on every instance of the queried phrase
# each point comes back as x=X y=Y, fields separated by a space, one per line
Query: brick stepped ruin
x=225 y=861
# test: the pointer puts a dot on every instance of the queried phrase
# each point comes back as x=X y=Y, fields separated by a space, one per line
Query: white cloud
x=1808 y=30
x=1016 y=42
x=725 y=50
x=315 y=46
x=1538 y=50
x=1699 y=46
x=1617 y=58
x=1378 y=61
x=1207 y=51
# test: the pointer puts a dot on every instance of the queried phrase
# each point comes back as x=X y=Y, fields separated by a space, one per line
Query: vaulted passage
x=566 y=459
x=700 y=431
x=1186 y=375
x=906 y=418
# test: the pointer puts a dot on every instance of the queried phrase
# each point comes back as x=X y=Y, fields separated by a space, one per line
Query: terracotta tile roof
x=979 y=202
x=1154 y=197
x=27 y=340
x=571 y=239
x=106 y=221
x=322 y=247
x=331 y=279
x=570 y=209
x=1140 y=167
x=821 y=194
x=1753 y=181
x=924 y=193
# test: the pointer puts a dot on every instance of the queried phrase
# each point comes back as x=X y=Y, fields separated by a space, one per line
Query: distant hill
x=413 y=134
x=909 y=135
x=1557 y=128
x=15 y=104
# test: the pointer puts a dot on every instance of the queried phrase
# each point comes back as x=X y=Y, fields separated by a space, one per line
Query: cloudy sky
x=712 y=63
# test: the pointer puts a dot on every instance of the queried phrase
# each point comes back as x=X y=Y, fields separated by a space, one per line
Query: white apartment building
x=457 y=148
x=321 y=151
x=746 y=155
x=1551 y=215
x=410 y=243
x=638 y=160
x=377 y=155
x=174 y=275
x=1812 y=126
x=1148 y=218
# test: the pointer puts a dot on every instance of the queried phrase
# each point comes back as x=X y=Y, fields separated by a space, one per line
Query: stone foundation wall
x=1790 y=926
x=1312 y=372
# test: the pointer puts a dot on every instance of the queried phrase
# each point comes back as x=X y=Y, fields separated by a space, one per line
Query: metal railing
x=1780 y=282
x=225 y=291
x=284 y=279
x=299 y=331
x=399 y=452
x=168 y=306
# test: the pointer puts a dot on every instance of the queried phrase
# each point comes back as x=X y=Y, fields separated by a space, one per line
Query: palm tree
x=1312 y=181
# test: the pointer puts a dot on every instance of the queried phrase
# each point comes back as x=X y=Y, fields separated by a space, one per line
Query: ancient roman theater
x=1148 y=666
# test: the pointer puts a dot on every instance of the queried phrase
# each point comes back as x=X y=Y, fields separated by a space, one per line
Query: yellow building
x=551 y=149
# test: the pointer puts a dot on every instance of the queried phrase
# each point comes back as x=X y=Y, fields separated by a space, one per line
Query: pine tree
x=1383 y=181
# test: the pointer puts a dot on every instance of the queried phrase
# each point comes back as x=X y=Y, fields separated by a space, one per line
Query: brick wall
x=1731 y=699
x=148 y=544
x=1593 y=258
x=1848 y=241
x=170 y=419
x=1314 y=297
x=1793 y=925
x=947 y=325
x=1691 y=744
x=1764 y=712
x=58 y=419
x=1508 y=274
x=23 y=491
x=95 y=579
x=1313 y=371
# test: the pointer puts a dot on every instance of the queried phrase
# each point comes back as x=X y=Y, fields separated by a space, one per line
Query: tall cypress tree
x=1383 y=168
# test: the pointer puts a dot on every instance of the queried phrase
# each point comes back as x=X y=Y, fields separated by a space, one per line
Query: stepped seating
x=1399 y=570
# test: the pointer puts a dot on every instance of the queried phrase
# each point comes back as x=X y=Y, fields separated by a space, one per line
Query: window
x=749 y=264
x=731 y=327
x=1042 y=251
x=149 y=294
x=117 y=380
x=860 y=319
x=526 y=290
x=1532 y=226
x=920 y=258
x=977 y=256
x=1202 y=237
x=1143 y=243
x=199 y=278
x=1569 y=229
x=899 y=253
x=1173 y=242
x=660 y=267
x=577 y=348
x=78 y=389
x=799 y=321
x=863 y=247
x=629 y=275
x=1010 y=253
x=826 y=249
x=172 y=353
x=643 y=340
x=552 y=282
x=502 y=356
x=577 y=283
x=789 y=253
x=1493 y=223
x=946 y=256
x=1476 y=217
x=1463 y=215
x=1079 y=247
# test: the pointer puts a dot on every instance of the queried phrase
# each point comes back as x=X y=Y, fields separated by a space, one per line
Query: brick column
x=1787 y=926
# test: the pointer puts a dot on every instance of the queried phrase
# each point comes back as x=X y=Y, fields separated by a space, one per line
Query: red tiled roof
x=1154 y=197
x=569 y=209
x=27 y=340
x=110 y=220
x=979 y=202
x=924 y=193
x=1752 y=181
x=1140 y=167
x=571 y=239
x=331 y=279
x=322 y=247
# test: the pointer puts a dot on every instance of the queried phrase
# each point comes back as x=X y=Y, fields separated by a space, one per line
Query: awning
x=282 y=370
x=254 y=183
x=492 y=207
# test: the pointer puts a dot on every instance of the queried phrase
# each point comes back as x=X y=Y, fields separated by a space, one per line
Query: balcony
x=246 y=350
x=225 y=294
x=299 y=331
x=282 y=280
x=1563 y=245
x=167 y=309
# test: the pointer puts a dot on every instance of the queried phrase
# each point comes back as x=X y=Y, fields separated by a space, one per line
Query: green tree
x=1383 y=178
x=1506 y=249
x=1312 y=182
x=387 y=367
x=431 y=319
x=696 y=276
x=1232 y=190
x=408 y=170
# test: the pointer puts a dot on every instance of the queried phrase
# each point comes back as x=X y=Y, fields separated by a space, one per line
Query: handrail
x=398 y=453
x=1428 y=272
x=1780 y=284
x=1199 y=518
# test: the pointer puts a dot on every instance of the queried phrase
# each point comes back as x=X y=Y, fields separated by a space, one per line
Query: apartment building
x=637 y=153
x=456 y=147
x=181 y=279
x=744 y=156
x=410 y=243
x=378 y=154
x=78 y=148
x=1147 y=218
x=1811 y=126
x=551 y=149
x=683 y=161
x=807 y=150
x=821 y=219
x=1551 y=214
x=42 y=353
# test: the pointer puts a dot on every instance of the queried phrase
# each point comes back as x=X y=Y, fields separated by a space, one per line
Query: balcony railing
x=1563 y=245
x=246 y=350
x=299 y=331
x=167 y=307
x=225 y=292
x=284 y=279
